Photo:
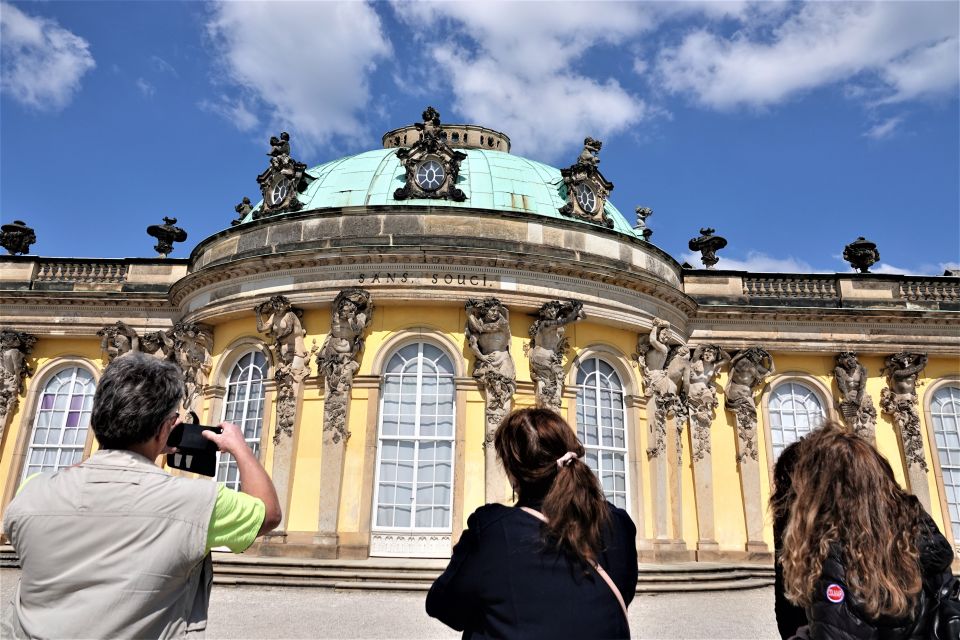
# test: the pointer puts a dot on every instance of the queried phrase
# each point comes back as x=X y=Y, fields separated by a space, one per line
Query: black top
x=504 y=582
x=837 y=614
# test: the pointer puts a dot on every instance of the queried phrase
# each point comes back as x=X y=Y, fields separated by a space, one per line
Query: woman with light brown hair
x=860 y=554
x=562 y=563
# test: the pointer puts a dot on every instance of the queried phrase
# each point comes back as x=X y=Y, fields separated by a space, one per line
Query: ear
x=165 y=428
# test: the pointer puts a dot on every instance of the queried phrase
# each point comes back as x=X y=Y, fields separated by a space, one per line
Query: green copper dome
x=490 y=180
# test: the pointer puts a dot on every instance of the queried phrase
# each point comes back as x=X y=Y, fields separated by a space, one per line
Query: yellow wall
x=447 y=323
x=48 y=355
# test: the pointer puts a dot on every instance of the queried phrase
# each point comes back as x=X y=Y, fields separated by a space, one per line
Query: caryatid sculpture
x=281 y=321
x=117 y=339
x=15 y=346
x=351 y=314
x=748 y=369
x=665 y=369
x=488 y=336
x=192 y=343
x=705 y=364
x=158 y=344
x=855 y=405
x=899 y=399
x=547 y=347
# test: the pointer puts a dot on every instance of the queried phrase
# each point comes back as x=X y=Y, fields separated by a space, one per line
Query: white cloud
x=147 y=89
x=884 y=129
x=234 y=111
x=928 y=70
x=513 y=67
x=42 y=63
x=162 y=66
x=911 y=48
x=313 y=83
x=756 y=262
x=925 y=269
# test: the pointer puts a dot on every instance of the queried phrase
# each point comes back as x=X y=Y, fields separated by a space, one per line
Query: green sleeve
x=25 y=481
x=235 y=521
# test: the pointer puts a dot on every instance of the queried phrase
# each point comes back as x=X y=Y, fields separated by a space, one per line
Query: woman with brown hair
x=561 y=564
x=860 y=554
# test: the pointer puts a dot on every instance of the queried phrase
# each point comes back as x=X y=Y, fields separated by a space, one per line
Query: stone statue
x=284 y=326
x=117 y=339
x=665 y=369
x=283 y=179
x=166 y=234
x=192 y=344
x=855 y=405
x=431 y=166
x=899 y=400
x=861 y=254
x=705 y=365
x=158 y=344
x=547 y=347
x=243 y=209
x=16 y=237
x=15 y=346
x=351 y=314
x=430 y=127
x=590 y=156
x=748 y=369
x=708 y=245
x=280 y=152
x=586 y=188
x=488 y=336
x=641 y=227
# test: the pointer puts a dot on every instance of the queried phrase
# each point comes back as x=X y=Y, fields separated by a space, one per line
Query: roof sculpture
x=471 y=168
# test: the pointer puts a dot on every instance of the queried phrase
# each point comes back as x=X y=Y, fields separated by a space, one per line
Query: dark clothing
x=790 y=617
x=503 y=582
x=845 y=620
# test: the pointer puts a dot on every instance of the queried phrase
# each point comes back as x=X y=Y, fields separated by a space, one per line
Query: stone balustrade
x=144 y=275
x=790 y=287
x=823 y=290
x=73 y=271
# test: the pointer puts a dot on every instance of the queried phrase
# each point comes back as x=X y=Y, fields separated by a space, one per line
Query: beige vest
x=111 y=548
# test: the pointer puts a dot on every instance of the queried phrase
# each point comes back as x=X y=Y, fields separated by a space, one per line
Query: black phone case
x=195 y=453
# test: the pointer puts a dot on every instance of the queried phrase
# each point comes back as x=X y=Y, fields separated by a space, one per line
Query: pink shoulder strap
x=600 y=570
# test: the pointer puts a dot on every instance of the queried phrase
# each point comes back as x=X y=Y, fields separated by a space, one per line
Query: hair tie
x=566 y=459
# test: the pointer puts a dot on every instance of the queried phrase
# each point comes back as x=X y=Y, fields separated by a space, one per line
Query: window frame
x=29 y=410
x=388 y=353
x=235 y=359
x=928 y=393
x=817 y=387
x=600 y=449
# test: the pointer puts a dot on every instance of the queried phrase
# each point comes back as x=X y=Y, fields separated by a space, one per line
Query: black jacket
x=845 y=620
x=503 y=582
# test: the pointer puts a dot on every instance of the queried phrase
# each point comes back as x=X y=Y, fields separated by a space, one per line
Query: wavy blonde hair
x=843 y=491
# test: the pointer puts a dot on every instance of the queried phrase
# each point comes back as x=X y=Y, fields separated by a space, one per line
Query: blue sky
x=792 y=128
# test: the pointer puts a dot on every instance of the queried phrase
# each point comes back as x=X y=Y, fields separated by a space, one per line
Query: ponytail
x=541 y=453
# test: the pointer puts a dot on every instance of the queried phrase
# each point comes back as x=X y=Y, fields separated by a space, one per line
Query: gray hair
x=134 y=396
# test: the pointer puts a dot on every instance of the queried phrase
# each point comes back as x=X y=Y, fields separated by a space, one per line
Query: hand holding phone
x=228 y=438
x=192 y=451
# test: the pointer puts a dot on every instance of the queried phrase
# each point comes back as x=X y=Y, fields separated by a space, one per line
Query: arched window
x=63 y=416
x=244 y=408
x=794 y=411
x=600 y=427
x=945 y=411
x=414 y=486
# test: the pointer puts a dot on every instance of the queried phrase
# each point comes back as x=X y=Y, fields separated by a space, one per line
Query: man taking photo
x=117 y=547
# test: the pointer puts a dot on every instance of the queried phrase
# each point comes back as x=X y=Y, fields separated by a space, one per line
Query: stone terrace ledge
x=836 y=291
x=120 y=275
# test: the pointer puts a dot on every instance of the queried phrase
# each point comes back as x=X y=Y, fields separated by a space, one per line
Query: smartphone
x=194 y=453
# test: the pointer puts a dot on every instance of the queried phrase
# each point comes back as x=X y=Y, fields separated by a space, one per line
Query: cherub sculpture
x=547 y=347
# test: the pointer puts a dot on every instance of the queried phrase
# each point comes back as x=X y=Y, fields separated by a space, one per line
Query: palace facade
x=373 y=318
